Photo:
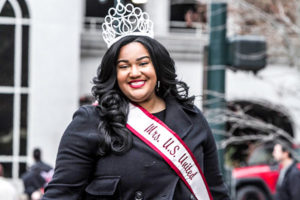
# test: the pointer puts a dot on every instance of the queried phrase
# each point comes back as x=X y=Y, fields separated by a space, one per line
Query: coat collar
x=177 y=118
x=290 y=167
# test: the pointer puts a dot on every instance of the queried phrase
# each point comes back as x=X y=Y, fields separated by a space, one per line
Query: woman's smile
x=137 y=84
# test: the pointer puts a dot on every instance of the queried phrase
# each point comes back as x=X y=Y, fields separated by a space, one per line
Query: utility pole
x=298 y=44
x=217 y=55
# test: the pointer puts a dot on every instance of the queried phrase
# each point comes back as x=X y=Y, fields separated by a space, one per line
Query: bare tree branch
x=276 y=20
x=240 y=120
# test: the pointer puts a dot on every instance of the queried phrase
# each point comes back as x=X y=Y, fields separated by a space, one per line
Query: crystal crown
x=125 y=20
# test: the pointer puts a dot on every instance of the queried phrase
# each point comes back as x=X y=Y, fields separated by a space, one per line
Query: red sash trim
x=165 y=157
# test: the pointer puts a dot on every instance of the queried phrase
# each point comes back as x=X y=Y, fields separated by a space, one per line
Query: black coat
x=81 y=174
x=290 y=186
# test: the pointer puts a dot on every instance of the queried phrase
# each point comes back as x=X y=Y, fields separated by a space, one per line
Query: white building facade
x=40 y=91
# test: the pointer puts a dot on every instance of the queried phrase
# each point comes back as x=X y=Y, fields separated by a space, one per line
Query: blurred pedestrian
x=7 y=190
x=36 y=177
x=288 y=183
x=145 y=139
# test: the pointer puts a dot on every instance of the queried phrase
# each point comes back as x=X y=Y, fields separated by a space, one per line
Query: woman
x=100 y=158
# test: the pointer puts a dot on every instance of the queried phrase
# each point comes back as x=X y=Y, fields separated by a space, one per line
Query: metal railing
x=181 y=26
x=94 y=24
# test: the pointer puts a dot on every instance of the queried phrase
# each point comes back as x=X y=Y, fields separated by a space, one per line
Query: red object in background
x=258 y=180
x=268 y=175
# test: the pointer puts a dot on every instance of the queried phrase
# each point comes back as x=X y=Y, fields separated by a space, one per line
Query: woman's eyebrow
x=126 y=61
x=138 y=59
x=141 y=58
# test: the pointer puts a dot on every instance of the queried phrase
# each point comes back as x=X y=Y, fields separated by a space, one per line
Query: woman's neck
x=154 y=105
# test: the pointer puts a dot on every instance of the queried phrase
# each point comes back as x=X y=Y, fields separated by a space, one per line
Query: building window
x=188 y=16
x=14 y=85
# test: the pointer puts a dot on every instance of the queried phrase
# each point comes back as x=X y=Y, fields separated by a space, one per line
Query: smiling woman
x=137 y=69
x=144 y=138
x=153 y=131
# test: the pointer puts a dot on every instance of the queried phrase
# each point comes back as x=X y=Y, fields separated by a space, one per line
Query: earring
x=157 y=86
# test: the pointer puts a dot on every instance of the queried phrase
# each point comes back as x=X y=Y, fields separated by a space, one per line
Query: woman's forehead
x=133 y=50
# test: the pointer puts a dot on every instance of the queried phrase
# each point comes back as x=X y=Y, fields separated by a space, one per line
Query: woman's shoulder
x=192 y=110
x=87 y=111
x=85 y=120
x=82 y=131
x=196 y=115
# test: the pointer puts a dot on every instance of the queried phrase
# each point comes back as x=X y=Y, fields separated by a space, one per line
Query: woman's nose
x=135 y=71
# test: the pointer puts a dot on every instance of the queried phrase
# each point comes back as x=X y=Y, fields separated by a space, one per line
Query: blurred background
x=241 y=58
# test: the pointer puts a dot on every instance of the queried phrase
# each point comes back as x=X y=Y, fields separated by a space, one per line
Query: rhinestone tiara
x=125 y=20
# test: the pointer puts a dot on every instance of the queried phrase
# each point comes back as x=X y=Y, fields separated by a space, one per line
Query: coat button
x=139 y=195
x=192 y=197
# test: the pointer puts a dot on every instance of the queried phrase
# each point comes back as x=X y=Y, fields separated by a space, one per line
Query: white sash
x=170 y=146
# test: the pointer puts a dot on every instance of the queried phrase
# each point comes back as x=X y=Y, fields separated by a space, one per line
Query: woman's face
x=135 y=73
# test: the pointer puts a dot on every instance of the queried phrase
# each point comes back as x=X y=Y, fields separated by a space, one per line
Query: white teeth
x=137 y=83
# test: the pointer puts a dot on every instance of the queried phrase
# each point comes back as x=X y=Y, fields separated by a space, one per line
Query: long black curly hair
x=113 y=104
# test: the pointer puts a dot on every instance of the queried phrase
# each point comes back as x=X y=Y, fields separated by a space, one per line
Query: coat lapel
x=176 y=118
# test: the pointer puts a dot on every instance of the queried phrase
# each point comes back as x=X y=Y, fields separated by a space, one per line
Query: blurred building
x=50 y=51
x=40 y=65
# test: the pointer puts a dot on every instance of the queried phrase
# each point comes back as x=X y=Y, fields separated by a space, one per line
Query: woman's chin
x=138 y=100
x=139 y=97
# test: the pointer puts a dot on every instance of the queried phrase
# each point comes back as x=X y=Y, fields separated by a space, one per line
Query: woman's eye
x=143 y=63
x=123 y=66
